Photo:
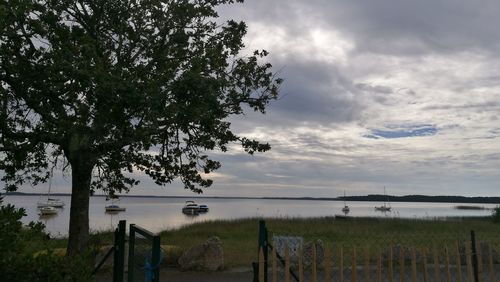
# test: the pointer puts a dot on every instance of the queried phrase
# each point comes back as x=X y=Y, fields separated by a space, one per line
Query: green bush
x=26 y=254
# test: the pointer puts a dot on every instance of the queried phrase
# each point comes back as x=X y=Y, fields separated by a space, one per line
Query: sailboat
x=114 y=207
x=345 y=209
x=47 y=210
x=51 y=202
x=384 y=207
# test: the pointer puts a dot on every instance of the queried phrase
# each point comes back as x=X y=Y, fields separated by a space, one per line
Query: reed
x=239 y=237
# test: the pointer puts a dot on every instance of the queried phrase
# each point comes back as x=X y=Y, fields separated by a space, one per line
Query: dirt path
x=236 y=275
x=174 y=275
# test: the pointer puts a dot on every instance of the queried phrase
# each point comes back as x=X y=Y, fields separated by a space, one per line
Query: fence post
x=474 y=255
x=131 y=248
x=119 y=255
x=263 y=245
x=155 y=258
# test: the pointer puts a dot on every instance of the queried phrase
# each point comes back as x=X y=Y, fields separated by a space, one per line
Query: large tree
x=112 y=88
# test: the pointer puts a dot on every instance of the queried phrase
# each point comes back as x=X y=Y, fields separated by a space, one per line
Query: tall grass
x=239 y=237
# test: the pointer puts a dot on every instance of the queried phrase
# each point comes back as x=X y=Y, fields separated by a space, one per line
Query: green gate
x=144 y=255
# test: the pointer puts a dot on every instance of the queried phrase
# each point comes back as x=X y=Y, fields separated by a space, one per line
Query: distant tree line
x=424 y=198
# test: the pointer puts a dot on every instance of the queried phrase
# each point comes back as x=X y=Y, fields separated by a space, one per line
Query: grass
x=239 y=237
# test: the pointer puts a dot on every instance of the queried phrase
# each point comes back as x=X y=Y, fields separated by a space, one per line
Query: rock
x=208 y=256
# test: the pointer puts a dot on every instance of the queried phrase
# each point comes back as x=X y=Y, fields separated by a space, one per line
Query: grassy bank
x=239 y=237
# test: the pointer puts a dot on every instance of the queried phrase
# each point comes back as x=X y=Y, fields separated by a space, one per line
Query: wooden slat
x=437 y=274
x=314 y=264
x=274 y=262
x=424 y=264
x=401 y=264
x=287 y=264
x=301 y=266
x=459 y=264
x=479 y=262
x=491 y=269
x=379 y=266
x=468 y=260
x=261 y=265
x=413 y=265
x=447 y=265
x=366 y=268
x=327 y=266
x=341 y=264
x=354 y=267
x=389 y=266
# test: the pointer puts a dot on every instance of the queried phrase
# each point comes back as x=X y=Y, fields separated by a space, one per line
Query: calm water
x=158 y=214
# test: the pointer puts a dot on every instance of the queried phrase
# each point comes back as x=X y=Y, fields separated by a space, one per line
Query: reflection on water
x=158 y=214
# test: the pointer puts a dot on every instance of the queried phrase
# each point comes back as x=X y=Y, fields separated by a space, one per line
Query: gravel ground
x=174 y=275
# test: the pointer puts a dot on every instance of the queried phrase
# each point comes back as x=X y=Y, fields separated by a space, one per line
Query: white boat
x=385 y=207
x=345 y=209
x=51 y=202
x=190 y=207
x=114 y=207
x=48 y=210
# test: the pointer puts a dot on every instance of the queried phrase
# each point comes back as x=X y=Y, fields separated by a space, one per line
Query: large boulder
x=208 y=256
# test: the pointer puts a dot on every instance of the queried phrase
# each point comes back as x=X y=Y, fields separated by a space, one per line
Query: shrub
x=25 y=254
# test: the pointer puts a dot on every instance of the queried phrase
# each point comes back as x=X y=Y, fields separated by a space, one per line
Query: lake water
x=157 y=214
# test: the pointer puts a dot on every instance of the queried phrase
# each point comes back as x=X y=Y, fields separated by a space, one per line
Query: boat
x=202 y=208
x=190 y=207
x=345 y=209
x=385 y=207
x=48 y=210
x=114 y=207
x=51 y=202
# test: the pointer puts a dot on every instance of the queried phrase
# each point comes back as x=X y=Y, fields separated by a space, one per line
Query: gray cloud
x=388 y=26
x=354 y=68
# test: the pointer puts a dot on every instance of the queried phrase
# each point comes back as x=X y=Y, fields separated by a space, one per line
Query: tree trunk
x=81 y=174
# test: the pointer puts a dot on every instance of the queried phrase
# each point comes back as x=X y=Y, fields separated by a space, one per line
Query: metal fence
x=439 y=256
x=144 y=255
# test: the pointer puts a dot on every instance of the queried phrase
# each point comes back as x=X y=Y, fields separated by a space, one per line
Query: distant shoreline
x=368 y=198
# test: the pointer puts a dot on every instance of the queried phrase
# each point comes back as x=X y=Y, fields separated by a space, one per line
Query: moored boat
x=385 y=207
x=190 y=207
x=51 y=202
x=203 y=208
x=114 y=208
x=345 y=209
x=48 y=210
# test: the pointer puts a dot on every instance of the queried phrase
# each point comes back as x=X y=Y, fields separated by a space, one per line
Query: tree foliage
x=125 y=85
x=107 y=88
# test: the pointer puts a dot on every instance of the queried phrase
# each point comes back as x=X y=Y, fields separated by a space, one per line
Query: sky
x=389 y=93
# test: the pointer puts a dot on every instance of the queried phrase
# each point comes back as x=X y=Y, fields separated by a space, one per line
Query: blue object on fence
x=148 y=269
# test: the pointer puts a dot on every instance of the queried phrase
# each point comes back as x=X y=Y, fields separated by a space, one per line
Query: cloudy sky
x=401 y=94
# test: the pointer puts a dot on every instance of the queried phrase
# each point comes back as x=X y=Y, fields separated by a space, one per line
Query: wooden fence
x=443 y=263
